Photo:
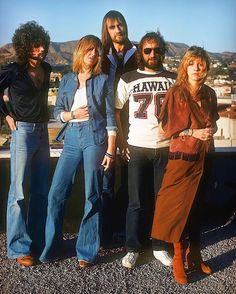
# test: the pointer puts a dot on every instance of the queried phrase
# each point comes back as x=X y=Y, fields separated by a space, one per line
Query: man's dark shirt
x=115 y=69
x=27 y=103
x=121 y=65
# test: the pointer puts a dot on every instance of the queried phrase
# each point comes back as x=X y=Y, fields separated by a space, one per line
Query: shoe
x=163 y=256
x=27 y=260
x=178 y=265
x=84 y=263
x=130 y=259
x=194 y=261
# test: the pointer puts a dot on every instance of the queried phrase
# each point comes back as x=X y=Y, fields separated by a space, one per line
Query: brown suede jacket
x=180 y=111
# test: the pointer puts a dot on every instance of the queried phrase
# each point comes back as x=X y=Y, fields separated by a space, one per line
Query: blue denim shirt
x=100 y=104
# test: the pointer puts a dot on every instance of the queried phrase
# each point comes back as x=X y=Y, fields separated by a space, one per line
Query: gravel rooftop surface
x=108 y=276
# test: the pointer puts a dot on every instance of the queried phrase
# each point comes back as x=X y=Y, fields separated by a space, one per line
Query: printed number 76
x=145 y=100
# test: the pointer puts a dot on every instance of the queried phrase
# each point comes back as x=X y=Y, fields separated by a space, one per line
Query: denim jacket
x=100 y=104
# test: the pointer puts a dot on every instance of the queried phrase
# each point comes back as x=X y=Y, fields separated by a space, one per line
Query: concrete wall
x=74 y=209
x=219 y=185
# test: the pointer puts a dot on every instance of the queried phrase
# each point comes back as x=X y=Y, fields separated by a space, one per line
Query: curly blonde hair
x=194 y=52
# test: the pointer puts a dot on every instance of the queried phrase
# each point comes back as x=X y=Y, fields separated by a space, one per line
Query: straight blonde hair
x=83 y=46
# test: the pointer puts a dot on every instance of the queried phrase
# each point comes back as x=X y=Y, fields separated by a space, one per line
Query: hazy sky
x=207 y=23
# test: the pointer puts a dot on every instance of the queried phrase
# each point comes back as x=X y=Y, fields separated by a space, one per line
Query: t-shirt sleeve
x=122 y=94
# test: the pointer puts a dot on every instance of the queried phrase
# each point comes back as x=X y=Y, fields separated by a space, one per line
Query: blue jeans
x=29 y=159
x=114 y=204
x=108 y=206
x=79 y=147
x=145 y=173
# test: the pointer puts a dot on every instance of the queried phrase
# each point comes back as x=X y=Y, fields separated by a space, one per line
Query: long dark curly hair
x=29 y=35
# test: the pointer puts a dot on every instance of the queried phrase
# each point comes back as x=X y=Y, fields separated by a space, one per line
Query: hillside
x=60 y=53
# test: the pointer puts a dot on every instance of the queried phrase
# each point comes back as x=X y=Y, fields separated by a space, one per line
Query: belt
x=183 y=156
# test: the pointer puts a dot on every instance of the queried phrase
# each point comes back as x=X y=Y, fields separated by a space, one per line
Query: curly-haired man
x=27 y=81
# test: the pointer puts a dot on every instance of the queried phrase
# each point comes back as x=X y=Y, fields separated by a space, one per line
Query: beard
x=119 y=39
x=154 y=64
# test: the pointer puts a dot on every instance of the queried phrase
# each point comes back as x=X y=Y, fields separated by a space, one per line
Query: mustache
x=155 y=58
x=39 y=57
x=120 y=34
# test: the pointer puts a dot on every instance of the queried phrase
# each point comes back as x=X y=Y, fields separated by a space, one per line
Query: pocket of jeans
x=23 y=127
x=69 y=135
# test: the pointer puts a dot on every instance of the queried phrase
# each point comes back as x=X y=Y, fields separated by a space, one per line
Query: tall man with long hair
x=27 y=81
x=119 y=57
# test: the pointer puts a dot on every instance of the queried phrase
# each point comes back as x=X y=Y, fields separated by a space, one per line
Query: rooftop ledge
x=56 y=152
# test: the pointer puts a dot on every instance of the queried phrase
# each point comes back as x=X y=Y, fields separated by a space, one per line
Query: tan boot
x=27 y=260
x=194 y=260
x=178 y=265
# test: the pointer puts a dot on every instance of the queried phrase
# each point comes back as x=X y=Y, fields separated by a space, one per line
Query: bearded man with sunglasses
x=146 y=149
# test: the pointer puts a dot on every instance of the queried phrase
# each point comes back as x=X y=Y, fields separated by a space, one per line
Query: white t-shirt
x=145 y=92
x=80 y=100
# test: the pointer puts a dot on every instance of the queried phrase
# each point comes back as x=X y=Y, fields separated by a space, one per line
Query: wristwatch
x=72 y=115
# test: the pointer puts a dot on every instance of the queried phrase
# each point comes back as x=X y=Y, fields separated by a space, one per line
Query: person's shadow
x=218 y=263
x=212 y=234
x=104 y=256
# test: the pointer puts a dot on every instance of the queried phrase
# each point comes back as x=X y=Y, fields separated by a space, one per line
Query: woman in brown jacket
x=188 y=117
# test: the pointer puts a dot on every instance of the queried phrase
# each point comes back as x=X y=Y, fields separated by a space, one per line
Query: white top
x=145 y=92
x=80 y=100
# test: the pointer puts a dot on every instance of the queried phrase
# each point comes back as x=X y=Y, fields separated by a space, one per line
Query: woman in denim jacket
x=85 y=104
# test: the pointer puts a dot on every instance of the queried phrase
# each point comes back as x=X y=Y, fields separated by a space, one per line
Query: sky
x=207 y=23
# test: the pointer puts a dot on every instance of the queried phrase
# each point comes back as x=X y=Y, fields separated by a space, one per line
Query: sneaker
x=130 y=259
x=163 y=256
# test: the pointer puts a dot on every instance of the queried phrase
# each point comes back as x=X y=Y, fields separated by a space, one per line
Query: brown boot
x=194 y=260
x=84 y=263
x=27 y=260
x=178 y=265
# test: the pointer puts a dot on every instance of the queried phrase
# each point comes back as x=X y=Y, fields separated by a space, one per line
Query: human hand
x=107 y=162
x=11 y=122
x=125 y=154
x=81 y=112
x=203 y=134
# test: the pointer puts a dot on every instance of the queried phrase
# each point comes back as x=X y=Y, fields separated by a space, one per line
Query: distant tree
x=56 y=82
x=220 y=70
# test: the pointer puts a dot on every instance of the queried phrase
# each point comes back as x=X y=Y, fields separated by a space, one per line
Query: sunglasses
x=156 y=50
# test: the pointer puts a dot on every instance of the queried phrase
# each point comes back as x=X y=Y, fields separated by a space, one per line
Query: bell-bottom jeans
x=26 y=216
x=79 y=146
